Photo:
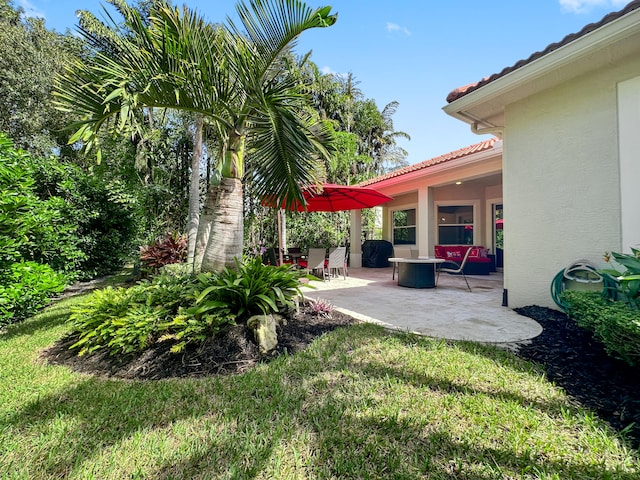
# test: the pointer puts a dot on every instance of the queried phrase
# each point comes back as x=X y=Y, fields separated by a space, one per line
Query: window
x=404 y=227
x=455 y=224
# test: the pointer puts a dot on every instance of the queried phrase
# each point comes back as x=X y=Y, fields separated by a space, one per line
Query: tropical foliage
x=233 y=75
x=182 y=309
x=53 y=215
x=167 y=250
x=85 y=218
x=628 y=278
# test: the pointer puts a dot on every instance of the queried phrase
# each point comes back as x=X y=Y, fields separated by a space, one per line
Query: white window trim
x=399 y=208
x=448 y=203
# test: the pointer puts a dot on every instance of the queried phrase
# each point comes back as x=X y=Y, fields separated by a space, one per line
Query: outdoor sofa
x=478 y=263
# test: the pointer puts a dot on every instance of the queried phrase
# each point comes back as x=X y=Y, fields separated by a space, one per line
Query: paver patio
x=449 y=311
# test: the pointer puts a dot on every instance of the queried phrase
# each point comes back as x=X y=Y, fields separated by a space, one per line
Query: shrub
x=103 y=214
x=251 y=289
x=54 y=213
x=25 y=287
x=170 y=249
x=615 y=324
x=129 y=320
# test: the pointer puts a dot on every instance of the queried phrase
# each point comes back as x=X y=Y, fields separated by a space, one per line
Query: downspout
x=497 y=131
x=475 y=125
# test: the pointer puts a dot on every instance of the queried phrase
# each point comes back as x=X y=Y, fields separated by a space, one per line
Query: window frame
x=414 y=226
x=475 y=206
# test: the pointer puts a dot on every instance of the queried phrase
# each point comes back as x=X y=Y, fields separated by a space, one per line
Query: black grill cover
x=376 y=253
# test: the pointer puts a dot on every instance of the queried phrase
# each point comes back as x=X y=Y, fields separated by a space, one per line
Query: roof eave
x=457 y=163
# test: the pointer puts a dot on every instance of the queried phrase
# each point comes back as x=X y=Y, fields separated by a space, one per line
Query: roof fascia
x=440 y=167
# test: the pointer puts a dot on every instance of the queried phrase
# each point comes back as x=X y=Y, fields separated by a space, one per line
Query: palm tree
x=233 y=75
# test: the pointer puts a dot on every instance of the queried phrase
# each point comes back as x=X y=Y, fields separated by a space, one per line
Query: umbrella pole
x=280 y=259
x=285 y=250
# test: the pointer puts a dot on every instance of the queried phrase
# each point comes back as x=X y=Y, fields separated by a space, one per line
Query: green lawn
x=359 y=403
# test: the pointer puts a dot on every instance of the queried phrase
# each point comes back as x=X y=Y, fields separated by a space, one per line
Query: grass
x=360 y=402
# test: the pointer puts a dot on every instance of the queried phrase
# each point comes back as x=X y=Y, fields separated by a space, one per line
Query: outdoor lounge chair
x=337 y=261
x=458 y=270
x=316 y=261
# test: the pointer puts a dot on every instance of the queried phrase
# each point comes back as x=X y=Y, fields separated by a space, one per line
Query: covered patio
x=449 y=311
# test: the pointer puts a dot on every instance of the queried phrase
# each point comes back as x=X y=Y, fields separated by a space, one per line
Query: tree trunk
x=206 y=221
x=194 y=193
x=227 y=228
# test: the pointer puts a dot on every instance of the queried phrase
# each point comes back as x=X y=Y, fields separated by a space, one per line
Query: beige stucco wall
x=561 y=177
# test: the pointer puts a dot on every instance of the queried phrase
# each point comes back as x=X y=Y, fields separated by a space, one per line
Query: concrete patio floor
x=449 y=311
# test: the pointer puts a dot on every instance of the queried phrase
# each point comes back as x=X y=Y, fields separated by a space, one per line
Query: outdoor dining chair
x=337 y=261
x=316 y=261
x=458 y=270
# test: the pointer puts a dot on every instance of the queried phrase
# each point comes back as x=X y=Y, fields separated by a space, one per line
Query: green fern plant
x=129 y=320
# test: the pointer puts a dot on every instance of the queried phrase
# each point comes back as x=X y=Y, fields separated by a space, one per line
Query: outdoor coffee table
x=417 y=272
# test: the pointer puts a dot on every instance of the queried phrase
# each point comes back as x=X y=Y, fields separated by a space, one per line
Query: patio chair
x=316 y=261
x=337 y=261
x=458 y=270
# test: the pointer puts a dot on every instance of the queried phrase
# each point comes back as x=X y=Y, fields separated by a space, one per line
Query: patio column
x=426 y=221
x=355 y=239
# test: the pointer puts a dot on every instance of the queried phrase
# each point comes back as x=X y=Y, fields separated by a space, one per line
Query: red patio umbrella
x=334 y=198
x=331 y=198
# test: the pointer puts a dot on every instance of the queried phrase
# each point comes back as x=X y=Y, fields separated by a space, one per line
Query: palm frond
x=287 y=145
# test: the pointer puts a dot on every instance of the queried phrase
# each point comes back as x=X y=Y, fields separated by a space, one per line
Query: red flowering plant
x=172 y=248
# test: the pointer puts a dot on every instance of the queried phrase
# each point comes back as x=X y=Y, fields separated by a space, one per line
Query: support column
x=355 y=239
x=426 y=221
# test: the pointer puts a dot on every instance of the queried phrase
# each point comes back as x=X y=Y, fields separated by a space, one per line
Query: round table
x=417 y=272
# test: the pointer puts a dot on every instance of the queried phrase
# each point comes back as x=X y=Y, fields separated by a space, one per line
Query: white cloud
x=394 y=27
x=29 y=10
x=584 y=6
x=326 y=70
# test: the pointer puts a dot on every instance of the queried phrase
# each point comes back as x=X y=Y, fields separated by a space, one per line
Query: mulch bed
x=578 y=363
x=571 y=357
x=230 y=352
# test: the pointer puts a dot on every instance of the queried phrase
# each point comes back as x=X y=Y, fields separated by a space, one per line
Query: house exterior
x=568 y=120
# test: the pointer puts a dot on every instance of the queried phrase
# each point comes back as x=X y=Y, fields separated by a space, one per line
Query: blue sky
x=411 y=51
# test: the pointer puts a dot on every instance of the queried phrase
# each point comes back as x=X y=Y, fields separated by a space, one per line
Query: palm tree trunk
x=227 y=227
x=194 y=193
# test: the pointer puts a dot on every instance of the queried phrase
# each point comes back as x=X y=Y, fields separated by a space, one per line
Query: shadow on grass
x=53 y=316
x=239 y=422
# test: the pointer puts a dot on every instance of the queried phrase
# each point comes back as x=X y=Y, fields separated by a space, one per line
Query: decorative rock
x=264 y=332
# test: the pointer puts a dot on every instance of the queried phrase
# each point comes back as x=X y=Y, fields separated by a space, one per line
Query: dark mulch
x=232 y=351
x=578 y=363
x=571 y=357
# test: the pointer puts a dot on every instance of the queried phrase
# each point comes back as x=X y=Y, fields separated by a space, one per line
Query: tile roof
x=462 y=91
x=447 y=157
